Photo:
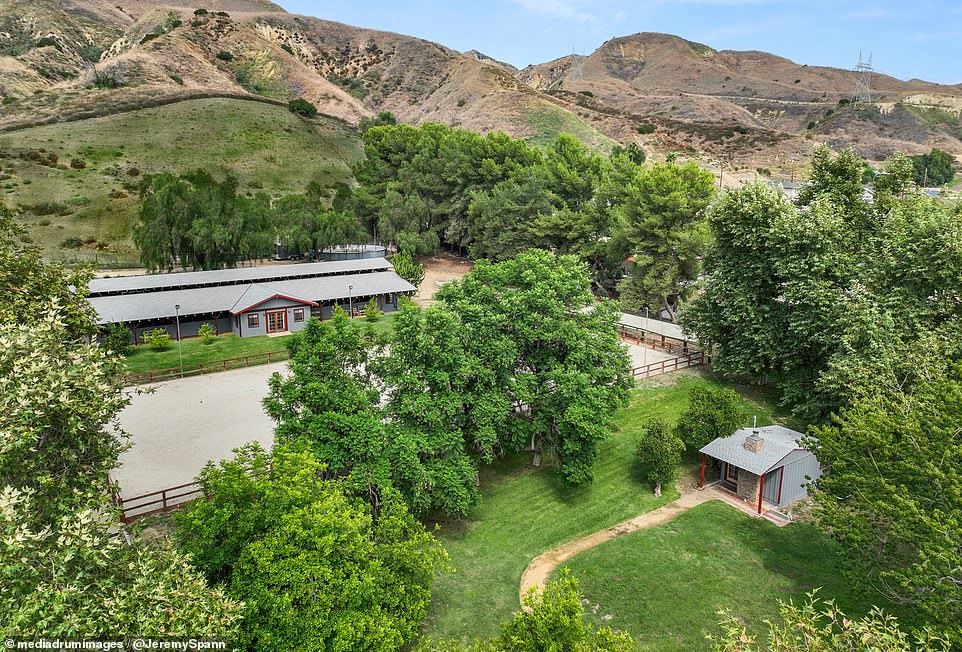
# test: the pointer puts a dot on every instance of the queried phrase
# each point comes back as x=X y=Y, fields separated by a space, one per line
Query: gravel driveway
x=185 y=422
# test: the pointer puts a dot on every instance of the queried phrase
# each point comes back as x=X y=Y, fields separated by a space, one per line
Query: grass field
x=666 y=585
x=195 y=351
x=525 y=512
x=549 y=120
x=266 y=147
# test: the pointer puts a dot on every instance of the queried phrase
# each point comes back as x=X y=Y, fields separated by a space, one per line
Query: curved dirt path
x=540 y=569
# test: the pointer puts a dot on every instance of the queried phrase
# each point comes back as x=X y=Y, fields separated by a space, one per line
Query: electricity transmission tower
x=863 y=81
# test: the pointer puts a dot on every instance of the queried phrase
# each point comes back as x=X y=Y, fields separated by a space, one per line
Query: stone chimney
x=754 y=442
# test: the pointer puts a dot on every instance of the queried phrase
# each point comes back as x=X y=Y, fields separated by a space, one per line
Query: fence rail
x=156 y=502
x=200 y=368
x=655 y=341
x=693 y=359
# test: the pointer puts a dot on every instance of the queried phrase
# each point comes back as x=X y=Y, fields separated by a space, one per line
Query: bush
x=646 y=128
x=78 y=163
x=157 y=339
x=71 y=243
x=177 y=79
x=106 y=80
x=300 y=106
x=201 y=12
x=586 y=93
x=149 y=36
x=117 y=338
x=206 y=331
x=371 y=311
x=224 y=55
x=711 y=413
x=407 y=269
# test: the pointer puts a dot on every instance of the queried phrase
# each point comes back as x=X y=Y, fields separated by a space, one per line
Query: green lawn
x=666 y=585
x=143 y=358
x=525 y=512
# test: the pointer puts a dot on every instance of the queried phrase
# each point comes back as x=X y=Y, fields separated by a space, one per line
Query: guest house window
x=298 y=314
x=253 y=320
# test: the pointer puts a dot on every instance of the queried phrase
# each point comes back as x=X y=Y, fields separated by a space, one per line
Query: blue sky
x=907 y=38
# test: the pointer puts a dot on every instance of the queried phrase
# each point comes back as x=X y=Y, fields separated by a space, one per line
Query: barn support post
x=781 y=476
x=701 y=482
x=761 y=490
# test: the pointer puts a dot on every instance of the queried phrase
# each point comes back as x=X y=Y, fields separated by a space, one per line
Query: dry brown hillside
x=70 y=59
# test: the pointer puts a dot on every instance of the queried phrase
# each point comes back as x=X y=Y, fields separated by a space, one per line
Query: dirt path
x=539 y=570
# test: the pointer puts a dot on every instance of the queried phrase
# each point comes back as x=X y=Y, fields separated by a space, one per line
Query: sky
x=906 y=38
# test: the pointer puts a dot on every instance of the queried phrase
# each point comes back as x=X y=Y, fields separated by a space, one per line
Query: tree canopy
x=315 y=568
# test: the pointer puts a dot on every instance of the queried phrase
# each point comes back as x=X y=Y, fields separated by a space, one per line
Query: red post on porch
x=702 y=482
x=761 y=489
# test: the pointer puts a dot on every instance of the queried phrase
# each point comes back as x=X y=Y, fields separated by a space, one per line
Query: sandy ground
x=642 y=355
x=185 y=423
x=438 y=270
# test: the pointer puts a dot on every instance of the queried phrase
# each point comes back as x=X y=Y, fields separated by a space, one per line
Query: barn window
x=253 y=320
x=298 y=314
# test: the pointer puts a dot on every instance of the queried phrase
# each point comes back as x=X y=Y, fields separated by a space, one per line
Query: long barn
x=249 y=301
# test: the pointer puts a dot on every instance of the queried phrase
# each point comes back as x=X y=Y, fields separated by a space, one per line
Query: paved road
x=185 y=422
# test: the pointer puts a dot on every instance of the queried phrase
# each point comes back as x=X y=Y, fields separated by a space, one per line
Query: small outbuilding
x=766 y=464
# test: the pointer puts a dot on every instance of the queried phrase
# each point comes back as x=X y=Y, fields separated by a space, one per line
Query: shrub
x=407 y=269
x=811 y=125
x=302 y=107
x=71 y=243
x=78 y=163
x=711 y=413
x=201 y=12
x=157 y=339
x=371 y=311
x=46 y=41
x=44 y=222
x=586 y=93
x=646 y=128
x=117 y=339
x=224 y=55
x=206 y=331
x=149 y=36
x=106 y=80
x=222 y=14
x=287 y=48
x=764 y=171
x=177 y=79
x=462 y=102
x=91 y=53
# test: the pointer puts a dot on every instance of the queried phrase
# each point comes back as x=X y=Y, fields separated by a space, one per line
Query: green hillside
x=75 y=183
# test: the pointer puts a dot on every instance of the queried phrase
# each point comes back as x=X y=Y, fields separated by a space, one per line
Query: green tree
x=892 y=499
x=407 y=269
x=382 y=119
x=711 y=413
x=315 y=569
x=58 y=404
x=660 y=449
x=661 y=225
x=937 y=168
x=427 y=372
x=500 y=221
x=69 y=578
x=549 y=370
x=817 y=626
x=328 y=401
x=29 y=286
x=117 y=339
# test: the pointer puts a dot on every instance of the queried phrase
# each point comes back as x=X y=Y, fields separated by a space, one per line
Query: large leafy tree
x=428 y=374
x=661 y=226
x=58 y=404
x=328 y=401
x=315 y=569
x=894 y=494
x=550 y=370
x=70 y=579
x=937 y=168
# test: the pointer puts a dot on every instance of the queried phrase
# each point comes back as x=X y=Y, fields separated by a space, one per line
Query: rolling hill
x=177 y=84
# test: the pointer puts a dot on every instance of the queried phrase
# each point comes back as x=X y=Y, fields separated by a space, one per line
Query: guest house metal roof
x=779 y=442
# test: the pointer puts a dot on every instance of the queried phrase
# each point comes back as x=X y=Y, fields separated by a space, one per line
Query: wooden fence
x=655 y=341
x=693 y=359
x=201 y=368
x=155 y=502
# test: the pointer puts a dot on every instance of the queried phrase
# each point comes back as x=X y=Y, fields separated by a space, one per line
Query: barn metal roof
x=257 y=294
x=779 y=442
x=239 y=276
x=160 y=304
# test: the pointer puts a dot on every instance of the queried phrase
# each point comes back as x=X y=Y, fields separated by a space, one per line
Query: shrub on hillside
x=302 y=107
x=224 y=55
